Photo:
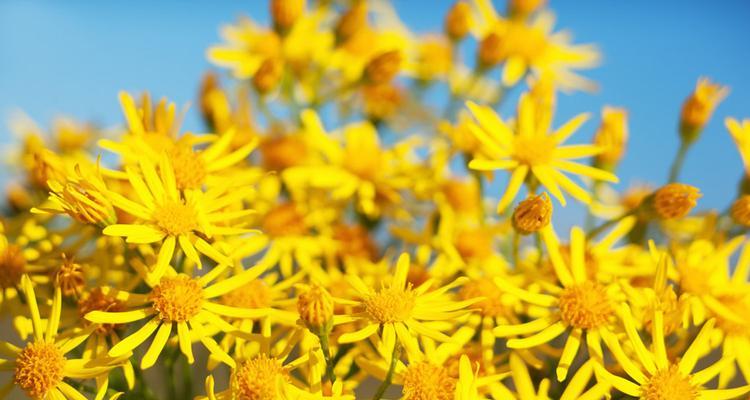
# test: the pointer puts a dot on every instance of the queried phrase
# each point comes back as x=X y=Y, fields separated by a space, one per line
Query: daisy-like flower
x=41 y=368
x=402 y=312
x=531 y=153
x=165 y=216
x=582 y=307
x=657 y=376
x=154 y=132
x=189 y=304
x=530 y=46
x=359 y=167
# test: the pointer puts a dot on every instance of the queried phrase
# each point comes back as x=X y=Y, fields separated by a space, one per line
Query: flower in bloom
x=179 y=301
x=531 y=152
x=403 y=311
x=41 y=367
x=657 y=376
x=165 y=216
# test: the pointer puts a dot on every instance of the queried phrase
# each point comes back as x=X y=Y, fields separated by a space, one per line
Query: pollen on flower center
x=284 y=220
x=585 y=306
x=178 y=298
x=12 y=266
x=492 y=305
x=259 y=379
x=669 y=384
x=97 y=300
x=189 y=169
x=534 y=150
x=255 y=294
x=390 y=305
x=427 y=381
x=176 y=218
x=39 y=369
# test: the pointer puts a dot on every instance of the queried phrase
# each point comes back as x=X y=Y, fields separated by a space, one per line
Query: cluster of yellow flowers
x=341 y=242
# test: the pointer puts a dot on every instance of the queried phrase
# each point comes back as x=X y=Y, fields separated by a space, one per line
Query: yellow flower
x=579 y=306
x=654 y=375
x=40 y=367
x=740 y=131
x=525 y=46
x=612 y=137
x=699 y=106
x=532 y=214
x=532 y=152
x=165 y=216
x=84 y=197
x=179 y=301
x=402 y=311
x=675 y=200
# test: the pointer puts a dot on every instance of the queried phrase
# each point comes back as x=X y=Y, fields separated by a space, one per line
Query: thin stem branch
x=325 y=348
x=679 y=160
x=389 y=377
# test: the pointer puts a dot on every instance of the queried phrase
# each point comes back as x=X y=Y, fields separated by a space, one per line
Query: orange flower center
x=585 y=306
x=177 y=299
x=669 y=384
x=12 y=266
x=39 y=369
x=390 y=305
x=176 y=218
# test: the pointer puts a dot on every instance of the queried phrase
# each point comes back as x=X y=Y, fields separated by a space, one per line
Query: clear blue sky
x=72 y=57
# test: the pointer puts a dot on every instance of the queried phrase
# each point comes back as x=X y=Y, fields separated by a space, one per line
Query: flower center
x=39 y=369
x=69 y=277
x=255 y=294
x=189 y=167
x=492 y=305
x=178 y=298
x=426 y=381
x=529 y=43
x=390 y=305
x=283 y=152
x=669 y=384
x=96 y=300
x=12 y=266
x=284 y=220
x=533 y=150
x=474 y=244
x=354 y=241
x=585 y=306
x=259 y=379
x=176 y=218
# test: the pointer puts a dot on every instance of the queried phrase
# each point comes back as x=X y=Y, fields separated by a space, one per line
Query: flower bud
x=268 y=75
x=698 y=108
x=522 y=8
x=675 y=200
x=491 y=50
x=612 y=137
x=351 y=21
x=382 y=101
x=286 y=12
x=315 y=307
x=383 y=67
x=458 y=21
x=740 y=211
x=69 y=277
x=532 y=214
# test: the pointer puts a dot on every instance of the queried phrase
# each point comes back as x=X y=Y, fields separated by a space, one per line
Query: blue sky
x=72 y=57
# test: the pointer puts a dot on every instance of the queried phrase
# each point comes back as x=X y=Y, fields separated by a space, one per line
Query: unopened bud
x=458 y=21
x=698 y=108
x=740 y=211
x=286 y=12
x=315 y=307
x=383 y=67
x=675 y=200
x=612 y=137
x=532 y=214
x=268 y=75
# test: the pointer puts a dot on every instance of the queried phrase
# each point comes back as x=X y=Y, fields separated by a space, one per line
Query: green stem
x=679 y=159
x=601 y=228
x=325 y=348
x=170 y=378
x=187 y=373
x=389 y=377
